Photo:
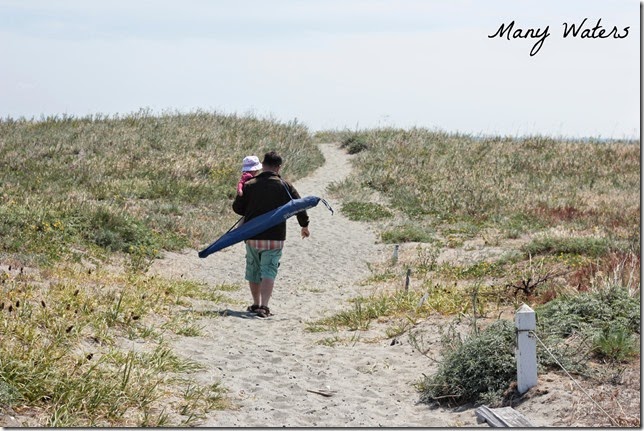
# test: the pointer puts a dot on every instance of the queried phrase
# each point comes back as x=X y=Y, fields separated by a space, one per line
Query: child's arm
x=240 y=185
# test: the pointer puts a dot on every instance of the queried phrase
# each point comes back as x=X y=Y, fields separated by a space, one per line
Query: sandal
x=253 y=308
x=263 y=311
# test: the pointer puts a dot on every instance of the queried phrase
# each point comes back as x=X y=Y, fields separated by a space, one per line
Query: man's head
x=272 y=161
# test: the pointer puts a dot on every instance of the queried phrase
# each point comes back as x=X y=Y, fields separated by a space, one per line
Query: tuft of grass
x=405 y=306
x=198 y=400
x=615 y=344
x=367 y=309
x=475 y=271
x=406 y=233
x=365 y=211
x=586 y=246
x=62 y=353
x=354 y=144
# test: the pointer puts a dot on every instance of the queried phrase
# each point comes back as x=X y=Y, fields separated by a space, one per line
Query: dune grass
x=137 y=183
x=62 y=352
x=517 y=185
x=567 y=213
x=81 y=194
x=86 y=205
x=573 y=203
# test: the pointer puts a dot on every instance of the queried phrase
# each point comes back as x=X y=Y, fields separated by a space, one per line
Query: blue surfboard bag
x=261 y=223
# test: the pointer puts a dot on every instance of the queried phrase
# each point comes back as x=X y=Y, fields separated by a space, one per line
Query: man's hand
x=305 y=232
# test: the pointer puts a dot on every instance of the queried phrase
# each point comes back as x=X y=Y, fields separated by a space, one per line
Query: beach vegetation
x=365 y=211
x=131 y=183
x=354 y=144
x=87 y=205
x=520 y=185
x=513 y=220
x=407 y=232
x=64 y=352
x=602 y=323
x=579 y=245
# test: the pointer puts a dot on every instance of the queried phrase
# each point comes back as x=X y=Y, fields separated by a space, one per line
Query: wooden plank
x=504 y=417
x=485 y=414
x=513 y=418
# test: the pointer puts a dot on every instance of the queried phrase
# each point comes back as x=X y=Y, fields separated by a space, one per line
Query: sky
x=332 y=64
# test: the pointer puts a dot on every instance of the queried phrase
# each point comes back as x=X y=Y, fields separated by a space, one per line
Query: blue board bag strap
x=286 y=188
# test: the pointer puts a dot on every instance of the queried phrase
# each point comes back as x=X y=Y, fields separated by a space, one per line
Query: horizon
x=123 y=115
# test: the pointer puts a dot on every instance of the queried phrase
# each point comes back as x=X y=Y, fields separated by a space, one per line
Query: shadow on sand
x=226 y=313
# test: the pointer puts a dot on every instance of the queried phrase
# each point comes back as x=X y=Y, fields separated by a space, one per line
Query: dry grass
x=137 y=183
x=516 y=185
x=62 y=351
x=120 y=189
x=86 y=205
x=502 y=221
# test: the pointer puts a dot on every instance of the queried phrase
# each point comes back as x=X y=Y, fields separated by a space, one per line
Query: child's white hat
x=251 y=163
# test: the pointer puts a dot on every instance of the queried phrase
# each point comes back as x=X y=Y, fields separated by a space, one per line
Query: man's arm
x=305 y=232
x=239 y=204
x=302 y=216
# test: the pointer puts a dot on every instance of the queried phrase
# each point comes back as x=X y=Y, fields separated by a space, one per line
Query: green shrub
x=586 y=246
x=478 y=369
x=602 y=321
x=365 y=211
x=354 y=144
x=588 y=311
x=406 y=233
x=118 y=232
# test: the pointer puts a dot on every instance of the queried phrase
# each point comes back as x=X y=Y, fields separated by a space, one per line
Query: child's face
x=254 y=173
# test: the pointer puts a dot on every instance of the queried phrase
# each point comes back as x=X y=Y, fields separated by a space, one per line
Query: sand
x=279 y=374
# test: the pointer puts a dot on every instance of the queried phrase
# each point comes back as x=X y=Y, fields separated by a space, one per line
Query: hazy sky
x=332 y=64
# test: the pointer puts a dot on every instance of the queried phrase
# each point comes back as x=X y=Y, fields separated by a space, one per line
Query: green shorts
x=261 y=264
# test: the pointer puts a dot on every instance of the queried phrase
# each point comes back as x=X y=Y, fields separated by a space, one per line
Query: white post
x=526 y=352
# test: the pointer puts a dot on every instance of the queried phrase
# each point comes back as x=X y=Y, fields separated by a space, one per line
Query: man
x=261 y=194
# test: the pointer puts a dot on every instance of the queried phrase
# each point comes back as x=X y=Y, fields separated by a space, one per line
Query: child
x=250 y=167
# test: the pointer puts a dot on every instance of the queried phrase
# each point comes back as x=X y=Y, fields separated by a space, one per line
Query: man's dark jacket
x=264 y=193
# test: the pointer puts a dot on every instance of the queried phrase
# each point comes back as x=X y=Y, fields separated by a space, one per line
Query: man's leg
x=269 y=262
x=255 y=290
x=265 y=291
x=253 y=273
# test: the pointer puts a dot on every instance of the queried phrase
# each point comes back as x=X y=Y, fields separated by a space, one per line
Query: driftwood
x=504 y=417
x=529 y=285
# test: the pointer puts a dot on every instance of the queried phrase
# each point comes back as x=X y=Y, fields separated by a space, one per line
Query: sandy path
x=270 y=365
